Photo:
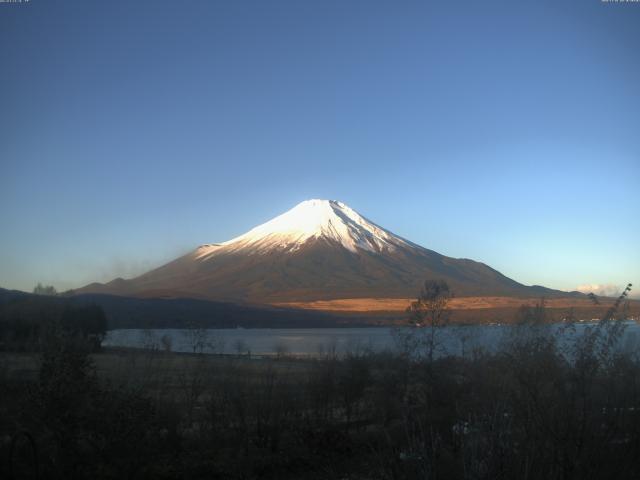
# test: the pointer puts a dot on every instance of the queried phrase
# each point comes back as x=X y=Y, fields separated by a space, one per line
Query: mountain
x=318 y=250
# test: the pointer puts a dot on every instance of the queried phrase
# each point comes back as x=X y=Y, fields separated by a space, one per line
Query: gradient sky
x=133 y=131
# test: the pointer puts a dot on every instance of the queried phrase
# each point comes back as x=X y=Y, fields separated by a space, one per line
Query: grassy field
x=160 y=373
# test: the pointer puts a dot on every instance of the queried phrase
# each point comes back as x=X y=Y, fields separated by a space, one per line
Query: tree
x=431 y=310
x=40 y=289
x=240 y=346
x=197 y=338
x=166 y=342
x=87 y=321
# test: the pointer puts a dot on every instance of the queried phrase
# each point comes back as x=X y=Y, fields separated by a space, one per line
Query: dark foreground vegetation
x=538 y=409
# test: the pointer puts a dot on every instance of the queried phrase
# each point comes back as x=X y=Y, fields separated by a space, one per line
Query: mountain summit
x=312 y=220
x=318 y=250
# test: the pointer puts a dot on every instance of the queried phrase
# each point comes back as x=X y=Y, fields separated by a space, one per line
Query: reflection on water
x=454 y=340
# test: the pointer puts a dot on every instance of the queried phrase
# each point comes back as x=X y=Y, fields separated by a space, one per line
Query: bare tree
x=281 y=349
x=166 y=343
x=431 y=311
x=148 y=340
x=240 y=346
x=197 y=338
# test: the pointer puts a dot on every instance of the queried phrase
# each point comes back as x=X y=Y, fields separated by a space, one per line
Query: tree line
x=27 y=323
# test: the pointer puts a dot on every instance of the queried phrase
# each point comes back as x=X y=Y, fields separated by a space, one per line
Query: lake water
x=460 y=340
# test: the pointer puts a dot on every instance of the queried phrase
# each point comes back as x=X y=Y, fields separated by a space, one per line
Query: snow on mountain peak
x=328 y=219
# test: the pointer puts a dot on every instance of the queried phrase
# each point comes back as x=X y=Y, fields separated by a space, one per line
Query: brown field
x=464 y=309
x=462 y=303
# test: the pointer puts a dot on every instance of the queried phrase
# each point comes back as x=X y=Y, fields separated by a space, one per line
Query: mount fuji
x=318 y=250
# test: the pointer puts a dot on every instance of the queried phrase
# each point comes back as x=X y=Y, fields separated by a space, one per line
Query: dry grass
x=152 y=371
x=461 y=303
x=466 y=310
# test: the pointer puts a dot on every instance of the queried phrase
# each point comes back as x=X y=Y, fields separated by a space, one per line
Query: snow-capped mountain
x=320 y=249
x=312 y=220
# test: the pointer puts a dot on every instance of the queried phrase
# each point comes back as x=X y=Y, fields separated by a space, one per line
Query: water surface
x=458 y=340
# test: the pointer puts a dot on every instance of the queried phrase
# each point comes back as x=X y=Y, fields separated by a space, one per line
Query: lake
x=452 y=340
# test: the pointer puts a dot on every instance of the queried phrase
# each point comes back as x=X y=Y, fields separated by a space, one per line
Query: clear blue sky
x=507 y=132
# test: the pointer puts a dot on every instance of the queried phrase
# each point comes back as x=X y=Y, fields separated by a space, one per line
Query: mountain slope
x=320 y=249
